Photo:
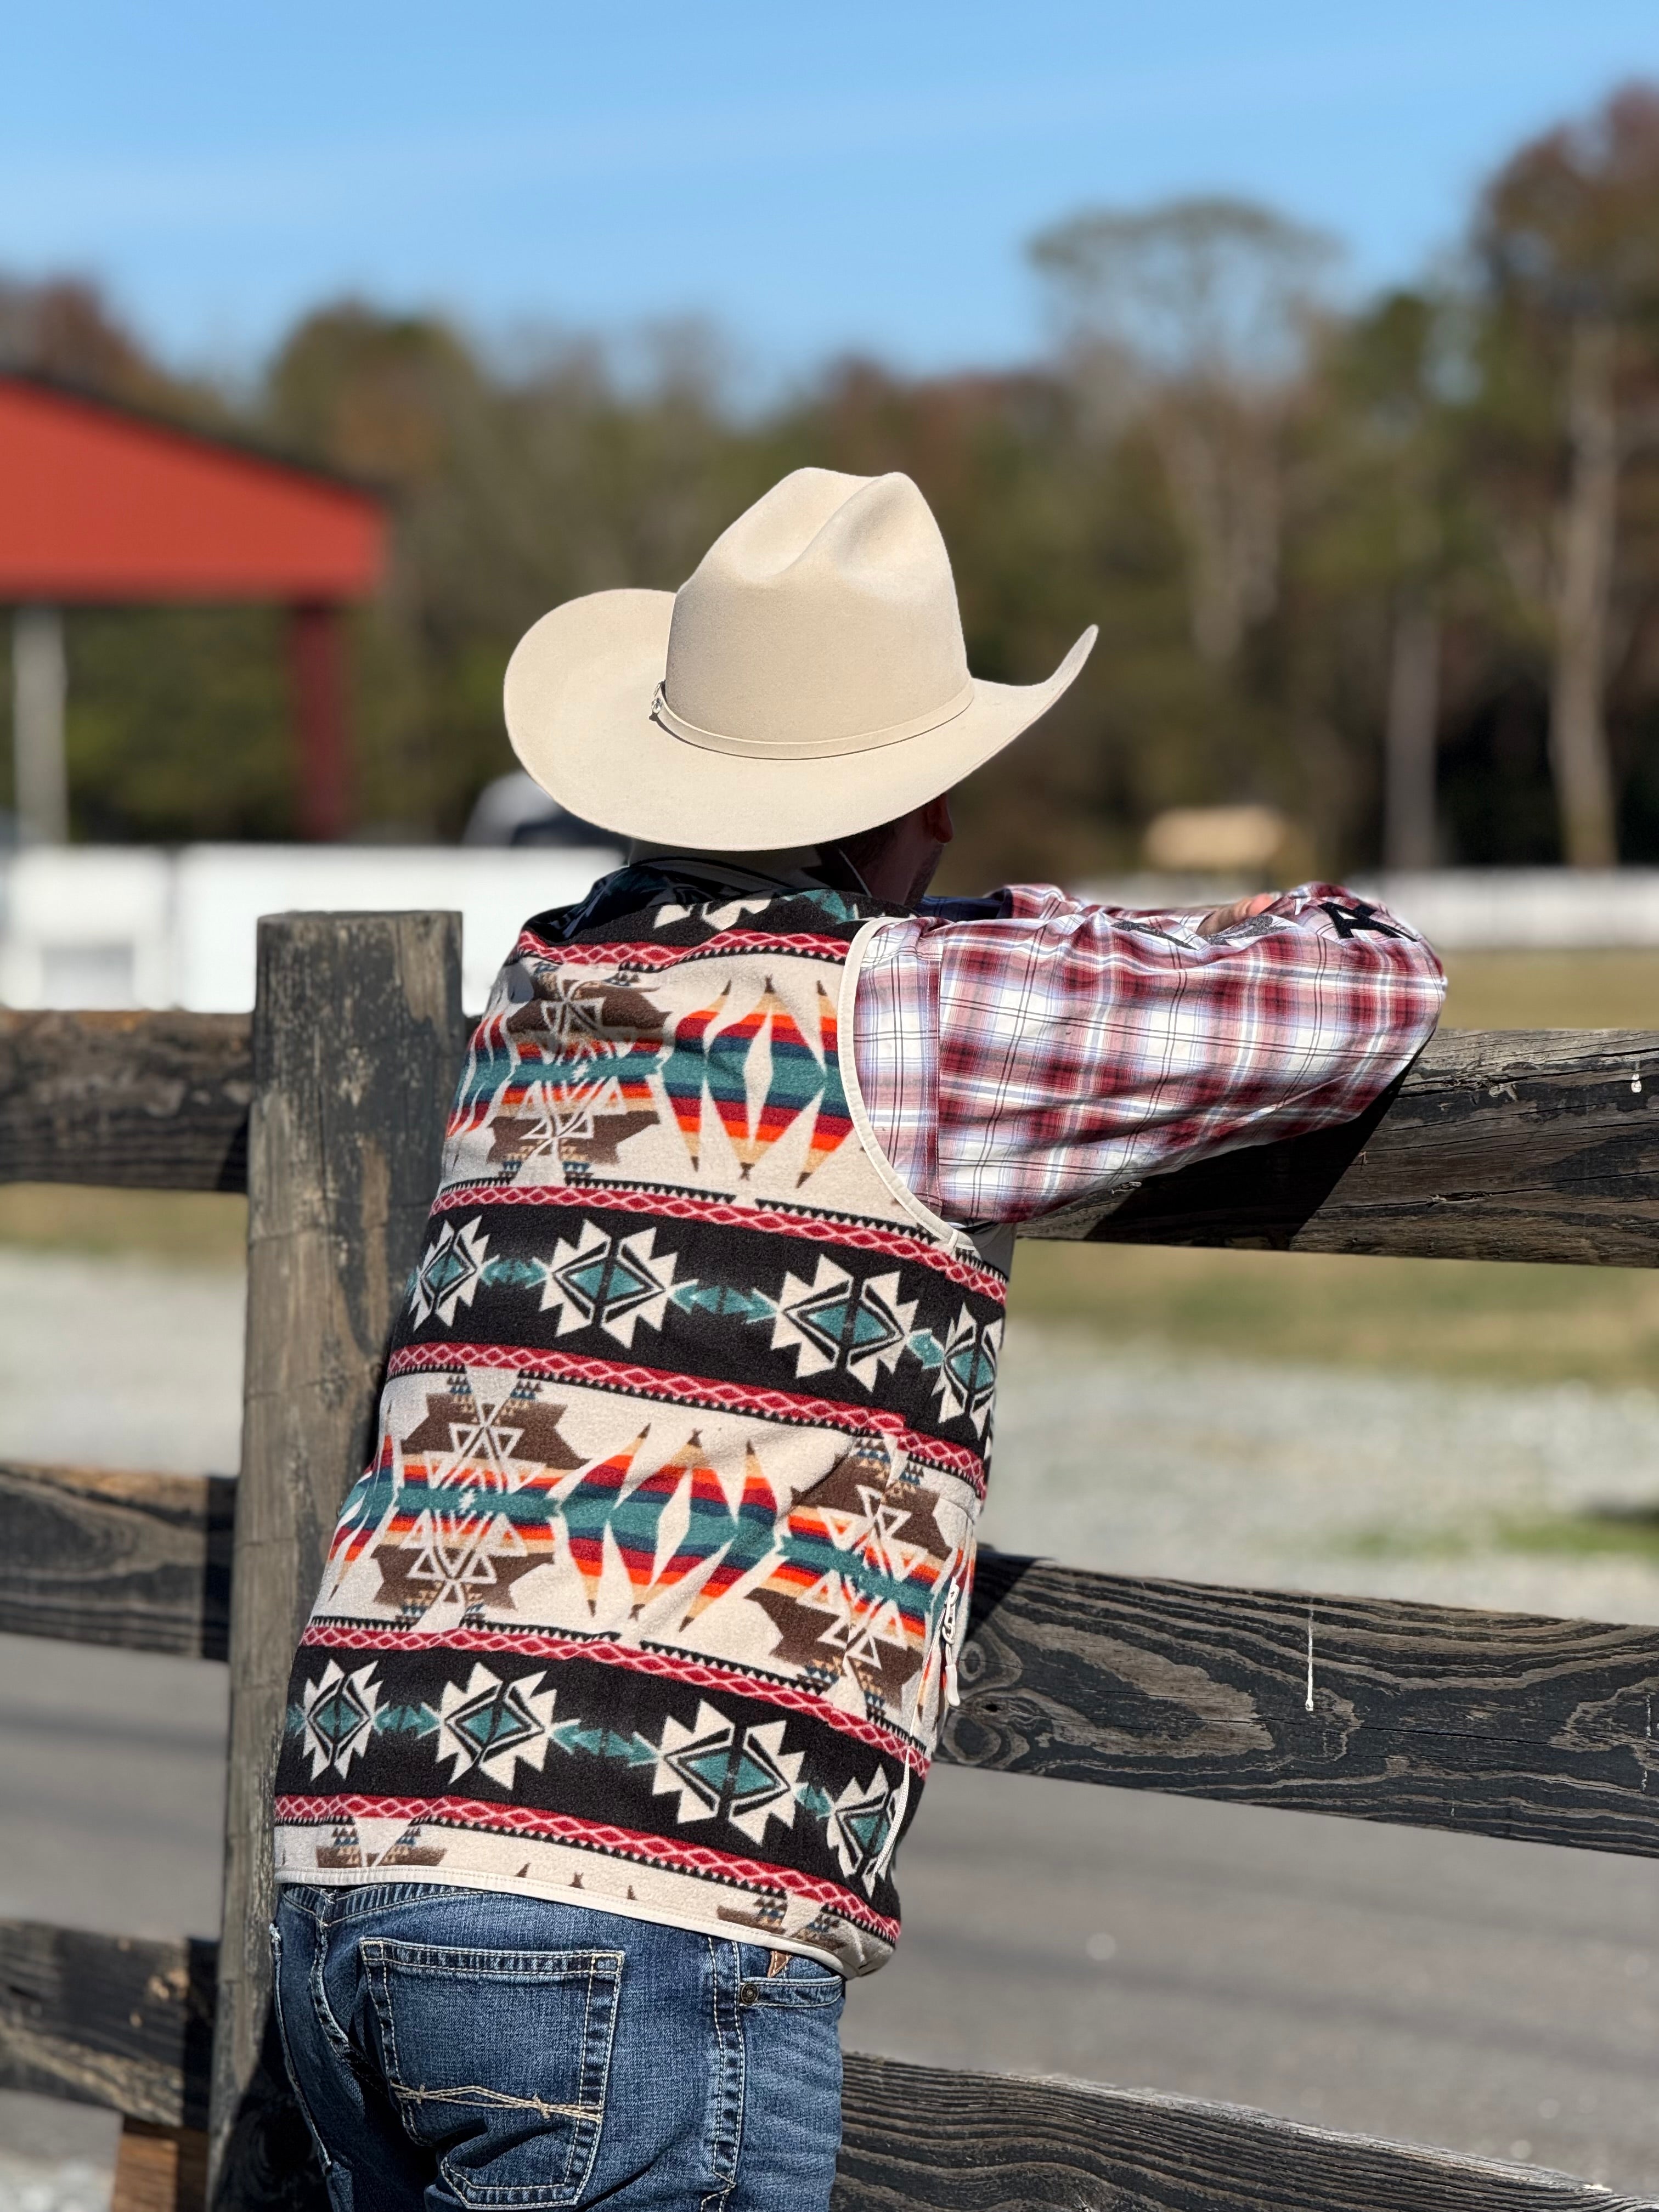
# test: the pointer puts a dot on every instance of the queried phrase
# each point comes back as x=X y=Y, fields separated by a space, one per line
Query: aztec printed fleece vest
x=650 y=1600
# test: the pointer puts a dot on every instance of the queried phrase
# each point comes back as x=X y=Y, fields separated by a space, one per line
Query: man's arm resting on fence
x=1056 y=1052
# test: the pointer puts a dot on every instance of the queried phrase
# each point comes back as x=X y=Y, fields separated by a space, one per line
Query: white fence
x=1463 y=909
x=114 y=925
x=1522 y=909
x=89 y=926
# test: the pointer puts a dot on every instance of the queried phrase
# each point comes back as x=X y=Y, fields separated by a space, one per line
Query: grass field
x=1552 y=990
x=1429 y=1317
x=1450 y=1317
x=201 y=1228
x=1441 y=1316
x=1596 y=1532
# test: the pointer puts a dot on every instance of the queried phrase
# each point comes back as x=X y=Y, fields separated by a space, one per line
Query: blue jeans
x=457 y=2048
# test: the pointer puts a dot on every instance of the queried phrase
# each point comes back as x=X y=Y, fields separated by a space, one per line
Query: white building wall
x=80 y=927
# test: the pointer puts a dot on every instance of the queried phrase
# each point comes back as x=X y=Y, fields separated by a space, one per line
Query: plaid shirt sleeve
x=1062 y=1053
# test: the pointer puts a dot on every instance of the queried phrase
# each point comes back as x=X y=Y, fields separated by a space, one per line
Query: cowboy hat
x=808 y=681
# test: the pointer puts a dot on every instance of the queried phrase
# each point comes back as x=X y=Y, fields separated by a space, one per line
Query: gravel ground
x=120 y=1363
x=1139 y=1459
x=1441 y=1989
x=1151 y=1461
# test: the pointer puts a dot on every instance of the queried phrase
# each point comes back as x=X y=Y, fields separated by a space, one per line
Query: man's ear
x=936 y=819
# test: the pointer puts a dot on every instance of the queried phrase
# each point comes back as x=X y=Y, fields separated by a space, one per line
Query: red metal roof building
x=102 y=505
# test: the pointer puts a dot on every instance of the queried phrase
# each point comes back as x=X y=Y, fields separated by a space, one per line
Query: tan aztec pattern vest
x=651 y=1598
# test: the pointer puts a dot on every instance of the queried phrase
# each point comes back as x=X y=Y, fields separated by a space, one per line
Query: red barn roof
x=99 y=503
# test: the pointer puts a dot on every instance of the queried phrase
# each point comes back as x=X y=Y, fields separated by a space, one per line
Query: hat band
x=868 y=741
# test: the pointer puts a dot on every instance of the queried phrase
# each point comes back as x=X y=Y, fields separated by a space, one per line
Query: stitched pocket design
x=803 y=1986
x=499 y=2061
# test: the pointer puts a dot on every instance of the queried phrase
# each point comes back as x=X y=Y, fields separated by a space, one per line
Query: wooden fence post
x=357 y=1040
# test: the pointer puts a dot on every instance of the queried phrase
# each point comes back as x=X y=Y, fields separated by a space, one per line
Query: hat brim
x=578 y=694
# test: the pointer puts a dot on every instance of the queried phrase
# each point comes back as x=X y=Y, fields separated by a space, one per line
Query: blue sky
x=815 y=179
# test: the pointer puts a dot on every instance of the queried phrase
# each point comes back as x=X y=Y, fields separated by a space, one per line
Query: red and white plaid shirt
x=1026 y=1052
x=1057 y=1052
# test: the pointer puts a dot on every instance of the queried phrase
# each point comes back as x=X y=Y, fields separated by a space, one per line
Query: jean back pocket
x=499 y=2062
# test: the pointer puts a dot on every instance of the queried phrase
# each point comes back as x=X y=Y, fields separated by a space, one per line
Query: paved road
x=1496 y=1997
x=1499 y=1997
x=111 y=1772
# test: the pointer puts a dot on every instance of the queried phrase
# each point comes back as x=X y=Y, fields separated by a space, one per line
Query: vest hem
x=591 y=1900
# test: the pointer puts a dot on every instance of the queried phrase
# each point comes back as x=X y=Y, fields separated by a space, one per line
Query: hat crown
x=827 y=612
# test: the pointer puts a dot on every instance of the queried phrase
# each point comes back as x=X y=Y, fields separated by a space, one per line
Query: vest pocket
x=499 y=2062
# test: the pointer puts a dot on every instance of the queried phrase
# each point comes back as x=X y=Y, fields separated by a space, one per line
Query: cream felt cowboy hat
x=808 y=681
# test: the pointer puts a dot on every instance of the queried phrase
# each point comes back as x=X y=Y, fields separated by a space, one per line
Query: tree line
x=1390 y=569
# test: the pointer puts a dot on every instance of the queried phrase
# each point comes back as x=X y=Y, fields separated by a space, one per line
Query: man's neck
x=795 y=867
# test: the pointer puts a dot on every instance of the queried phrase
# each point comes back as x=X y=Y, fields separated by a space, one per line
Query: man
x=636 y=1637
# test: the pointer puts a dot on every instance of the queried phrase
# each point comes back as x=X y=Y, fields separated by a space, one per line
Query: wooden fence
x=328 y=1109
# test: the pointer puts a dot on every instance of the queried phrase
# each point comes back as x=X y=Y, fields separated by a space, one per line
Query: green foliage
x=1240 y=484
x=511 y=492
x=177 y=725
x=1594 y=1534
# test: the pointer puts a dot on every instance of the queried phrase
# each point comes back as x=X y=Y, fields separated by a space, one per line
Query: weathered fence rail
x=918 y=2136
x=1492 y=1723
x=1497 y=1144
x=149 y=1102
x=1497 y=1724
x=138 y=1560
x=107 y=2020
x=103 y=2021
x=328 y=1108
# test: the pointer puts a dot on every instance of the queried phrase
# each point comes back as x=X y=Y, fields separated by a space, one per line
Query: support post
x=158 y=2169
x=1587 y=536
x=41 y=775
x=357 y=1041
x=1409 y=746
x=316 y=647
